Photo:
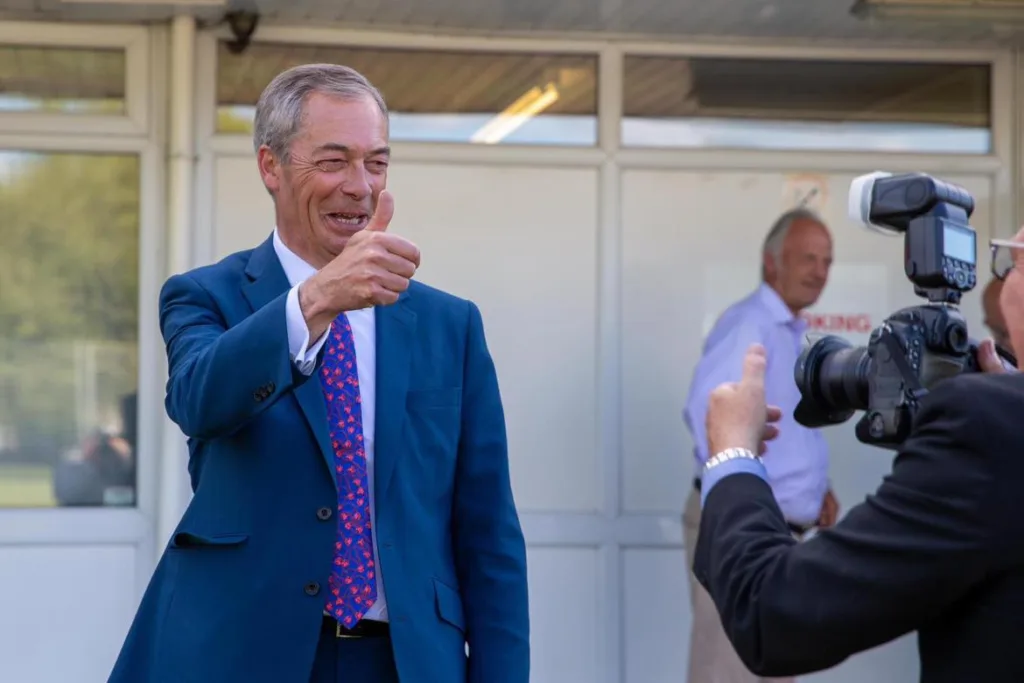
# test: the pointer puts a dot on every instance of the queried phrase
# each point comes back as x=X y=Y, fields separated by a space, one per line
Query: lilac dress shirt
x=796 y=463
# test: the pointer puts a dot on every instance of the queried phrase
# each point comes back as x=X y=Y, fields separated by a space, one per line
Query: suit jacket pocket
x=432 y=439
x=449 y=605
x=191 y=539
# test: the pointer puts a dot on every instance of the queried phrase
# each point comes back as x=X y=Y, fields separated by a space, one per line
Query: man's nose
x=356 y=183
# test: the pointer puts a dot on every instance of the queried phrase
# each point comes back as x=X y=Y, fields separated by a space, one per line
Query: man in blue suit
x=353 y=519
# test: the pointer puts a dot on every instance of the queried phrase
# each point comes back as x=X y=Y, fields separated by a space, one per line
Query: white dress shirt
x=364 y=334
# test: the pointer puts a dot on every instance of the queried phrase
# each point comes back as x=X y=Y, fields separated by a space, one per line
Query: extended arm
x=219 y=378
x=911 y=550
x=490 y=552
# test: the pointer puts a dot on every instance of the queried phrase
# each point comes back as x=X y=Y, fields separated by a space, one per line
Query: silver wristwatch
x=731 y=454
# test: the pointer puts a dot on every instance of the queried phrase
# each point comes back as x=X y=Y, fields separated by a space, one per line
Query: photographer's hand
x=737 y=415
x=988 y=359
x=829 y=510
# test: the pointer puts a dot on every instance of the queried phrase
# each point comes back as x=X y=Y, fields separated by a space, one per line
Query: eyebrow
x=336 y=147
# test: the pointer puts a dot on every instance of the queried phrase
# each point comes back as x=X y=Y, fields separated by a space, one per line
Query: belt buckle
x=338 y=632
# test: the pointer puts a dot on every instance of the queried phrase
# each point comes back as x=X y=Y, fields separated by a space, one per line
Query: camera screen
x=958 y=243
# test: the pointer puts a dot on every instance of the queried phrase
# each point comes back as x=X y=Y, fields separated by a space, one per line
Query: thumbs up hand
x=737 y=415
x=373 y=269
x=383 y=214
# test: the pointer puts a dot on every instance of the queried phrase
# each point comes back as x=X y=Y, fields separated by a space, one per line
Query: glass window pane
x=66 y=80
x=488 y=98
x=69 y=253
x=807 y=105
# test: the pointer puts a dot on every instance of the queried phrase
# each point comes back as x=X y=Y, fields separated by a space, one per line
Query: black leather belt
x=800 y=529
x=365 y=628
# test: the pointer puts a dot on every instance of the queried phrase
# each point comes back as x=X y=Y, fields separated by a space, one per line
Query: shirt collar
x=777 y=308
x=295 y=269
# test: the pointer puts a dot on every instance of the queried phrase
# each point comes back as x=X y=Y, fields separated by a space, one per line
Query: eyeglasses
x=1002 y=256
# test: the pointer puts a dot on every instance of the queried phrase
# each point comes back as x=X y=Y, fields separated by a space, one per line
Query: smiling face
x=327 y=188
x=801 y=270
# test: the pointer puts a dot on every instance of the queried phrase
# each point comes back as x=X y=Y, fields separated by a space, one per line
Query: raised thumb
x=382 y=215
x=754 y=364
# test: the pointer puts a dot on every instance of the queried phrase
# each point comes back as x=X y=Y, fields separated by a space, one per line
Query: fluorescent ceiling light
x=964 y=10
x=531 y=103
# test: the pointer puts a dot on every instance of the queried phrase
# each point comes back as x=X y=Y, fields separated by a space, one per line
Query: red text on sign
x=838 y=322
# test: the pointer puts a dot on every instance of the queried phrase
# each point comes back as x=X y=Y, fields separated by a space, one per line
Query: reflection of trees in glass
x=77 y=80
x=229 y=121
x=62 y=106
x=68 y=293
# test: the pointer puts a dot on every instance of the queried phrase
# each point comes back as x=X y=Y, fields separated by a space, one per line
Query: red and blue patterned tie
x=353 y=577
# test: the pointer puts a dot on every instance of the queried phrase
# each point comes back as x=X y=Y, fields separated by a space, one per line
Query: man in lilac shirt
x=796 y=257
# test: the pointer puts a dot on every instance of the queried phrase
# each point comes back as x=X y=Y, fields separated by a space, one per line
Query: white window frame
x=138 y=133
x=612 y=530
x=133 y=40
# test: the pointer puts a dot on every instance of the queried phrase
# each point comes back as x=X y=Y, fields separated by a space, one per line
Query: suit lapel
x=267 y=281
x=395 y=329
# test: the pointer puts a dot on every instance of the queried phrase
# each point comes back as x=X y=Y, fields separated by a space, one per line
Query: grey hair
x=776 y=236
x=281 y=106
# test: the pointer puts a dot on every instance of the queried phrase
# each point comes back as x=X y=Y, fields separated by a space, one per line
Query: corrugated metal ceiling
x=803 y=20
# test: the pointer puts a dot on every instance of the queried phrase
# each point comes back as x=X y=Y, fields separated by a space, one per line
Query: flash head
x=940 y=246
x=861 y=190
x=888 y=203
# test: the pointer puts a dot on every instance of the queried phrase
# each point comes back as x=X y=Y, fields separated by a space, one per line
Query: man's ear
x=270 y=168
x=768 y=266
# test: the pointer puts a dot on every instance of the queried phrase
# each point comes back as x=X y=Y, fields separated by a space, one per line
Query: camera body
x=915 y=347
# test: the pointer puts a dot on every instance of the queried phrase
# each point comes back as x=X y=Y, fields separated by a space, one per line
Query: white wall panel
x=565 y=615
x=690 y=247
x=243 y=213
x=521 y=243
x=66 y=611
x=656 y=606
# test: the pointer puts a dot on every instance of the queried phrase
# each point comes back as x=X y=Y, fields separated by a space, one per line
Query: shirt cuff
x=302 y=354
x=715 y=474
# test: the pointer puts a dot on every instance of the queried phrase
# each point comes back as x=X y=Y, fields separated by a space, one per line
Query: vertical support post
x=181 y=162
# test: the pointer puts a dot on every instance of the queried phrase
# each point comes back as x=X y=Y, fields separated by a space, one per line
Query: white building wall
x=596 y=271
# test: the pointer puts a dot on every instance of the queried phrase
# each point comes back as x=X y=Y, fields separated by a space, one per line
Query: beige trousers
x=712 y=657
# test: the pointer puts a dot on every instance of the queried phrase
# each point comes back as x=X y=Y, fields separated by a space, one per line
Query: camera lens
x=832 y=377
x=956 y=338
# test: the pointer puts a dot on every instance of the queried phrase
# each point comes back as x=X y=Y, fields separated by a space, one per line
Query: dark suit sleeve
x=220 y=378
x=914 y=548
x=490 y=552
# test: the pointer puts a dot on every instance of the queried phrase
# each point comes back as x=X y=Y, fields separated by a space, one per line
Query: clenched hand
x=373 y=269
x=737 y=415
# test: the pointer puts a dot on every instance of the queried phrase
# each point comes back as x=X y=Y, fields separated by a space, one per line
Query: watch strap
x=731 y=454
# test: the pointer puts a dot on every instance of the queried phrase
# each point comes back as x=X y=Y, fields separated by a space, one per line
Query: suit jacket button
x=312 y=588
x=270 y=388
x=258 y=395
x=323 y=514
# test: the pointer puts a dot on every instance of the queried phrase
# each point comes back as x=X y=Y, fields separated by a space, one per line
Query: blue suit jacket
x=239 y=592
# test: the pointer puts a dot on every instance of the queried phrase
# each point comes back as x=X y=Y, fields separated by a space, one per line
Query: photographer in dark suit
x=937 y=549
